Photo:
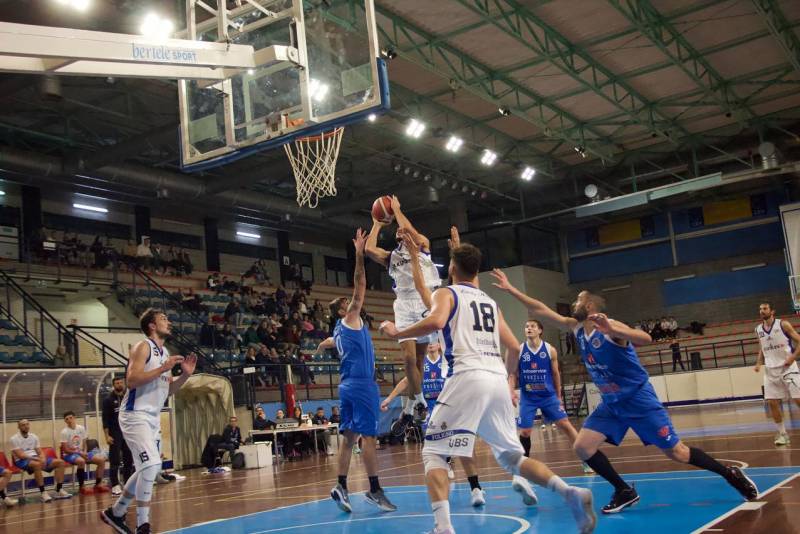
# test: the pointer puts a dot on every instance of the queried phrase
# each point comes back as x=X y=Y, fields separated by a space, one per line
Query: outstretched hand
x=409 y=243
x=360 y=241
x=455 y=238
x=189 y=364
x=601 y=322
x=389 y=329
x=395 y=205
x=502 y=280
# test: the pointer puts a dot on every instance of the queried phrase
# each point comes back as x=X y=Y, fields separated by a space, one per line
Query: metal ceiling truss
x=544 y=41
x=781 y=29
x=661 y=32
x=425 y=49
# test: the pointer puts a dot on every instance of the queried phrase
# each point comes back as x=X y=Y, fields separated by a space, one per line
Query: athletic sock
x=409 y=406
x=557 y=484
x=599 y=462
x=698 y=458
x=59 y=485
x=98 y=481
x=41 y=489
x=81 y=476
x=374 y=485
x=473 y=482
x=441 y=514
x=419 y=398
x=142 y=515
x=781 y=427
x=526 y=444
x=120 y=507
x=2 y=494
x=343 y=481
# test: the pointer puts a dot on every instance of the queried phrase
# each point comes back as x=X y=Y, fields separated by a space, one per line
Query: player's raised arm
x=536 y=307
x=405 y=224
x=136 y=375
x=510 y=342
x=416 y=271
x=399 y=388
x=436 y=320
x=359 y=281
x=328 y=343
x=371 y=248
x=618 y=330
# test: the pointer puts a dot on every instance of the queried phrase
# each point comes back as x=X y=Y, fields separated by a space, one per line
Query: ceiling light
x=396 y=167
x=504 y=111
x=388 y=53
x=2 y=193
x=464 y=189
x=454 y=186
x=474 y=192
x=581 y=150
x=454 y=144
x=248 y=234
x=415 y=128
x=416 y=173
x=317 y=89
x=90 y=208
x=79 y=5
x=372 y=117
x=427 y=177
x=528 y=173
x=407 y=171
x=251 y=71
x=156 y=27
x=488 y=158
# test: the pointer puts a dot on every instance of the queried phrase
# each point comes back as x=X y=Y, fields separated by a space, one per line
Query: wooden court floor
x=734 y=433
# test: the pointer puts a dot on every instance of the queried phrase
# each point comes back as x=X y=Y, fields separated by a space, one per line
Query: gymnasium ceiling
x=623 y=94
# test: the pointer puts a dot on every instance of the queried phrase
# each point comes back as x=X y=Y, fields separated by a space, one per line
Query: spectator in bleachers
x=233 y=313
x=208 y=334
x=335 y=417
x=75 y=450
x=250 y=355
x=280 y=294
x=158 y=259
x=250 y=338
x=229 y=285
x=144 y=255
x=293 y=338
x=99 y=256
x=186 y=262
x=119 y=453
x=292 y=321
x=129 y=253
x=302 y=308
x=676 y=355
x=28 y=456
x=5 y=479
x=306 y=326
x=61 y=358
x=275 y=321
x=673 y=327
x=228 y=337
x=270 y=305
x=295 y=274
x=212 y=282
x=696 y=327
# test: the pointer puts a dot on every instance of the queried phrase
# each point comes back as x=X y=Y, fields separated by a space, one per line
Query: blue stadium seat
x=24 y=341
x=23 y=357
x=5 y=324
x=5 y=357
x=6 y=340
x=38 y=357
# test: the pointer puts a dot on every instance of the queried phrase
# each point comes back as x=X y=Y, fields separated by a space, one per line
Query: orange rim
x=323 y=135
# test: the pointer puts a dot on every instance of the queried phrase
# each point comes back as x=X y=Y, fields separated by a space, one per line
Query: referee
x=118 y=449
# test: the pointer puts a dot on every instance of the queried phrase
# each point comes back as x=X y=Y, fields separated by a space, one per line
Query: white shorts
x=142 y=433
x=409 y=311
x=780 y=382
x=473 y=403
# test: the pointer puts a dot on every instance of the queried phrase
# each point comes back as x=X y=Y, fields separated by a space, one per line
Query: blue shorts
x=642 y=412
x=72 y=457
x=528 y=404
x=360 y=403
x=2 y=470
x=25 y=464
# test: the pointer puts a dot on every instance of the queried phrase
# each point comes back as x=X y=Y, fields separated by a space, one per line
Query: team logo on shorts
x=596 y=343
x=663 y=431
x=443 y=426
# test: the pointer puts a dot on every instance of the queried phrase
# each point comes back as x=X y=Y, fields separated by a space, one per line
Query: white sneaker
x=781 y=438
x=63 y=494
x=521 y=485
x=586 y=469
x=116 y=490
x=45 y=496
x=580 y=502
x=8 y=501
x=477 y=497
x=544 y=427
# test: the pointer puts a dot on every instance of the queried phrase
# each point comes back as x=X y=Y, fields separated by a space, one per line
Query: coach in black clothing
x=118 y=449
x=232 y=435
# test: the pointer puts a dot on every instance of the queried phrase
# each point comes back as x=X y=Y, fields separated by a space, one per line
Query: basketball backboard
x=332 y=76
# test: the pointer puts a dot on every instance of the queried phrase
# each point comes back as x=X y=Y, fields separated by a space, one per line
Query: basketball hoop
x=313 y=162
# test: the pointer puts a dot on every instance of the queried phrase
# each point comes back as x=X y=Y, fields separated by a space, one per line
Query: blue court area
x=674 y=502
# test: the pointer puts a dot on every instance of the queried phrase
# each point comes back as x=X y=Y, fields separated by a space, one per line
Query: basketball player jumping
x=150 y=382
x=780 y=348
x=358 y=392
x=539 y=382
x=629 y=400
x=408 y=306
x=476 y=399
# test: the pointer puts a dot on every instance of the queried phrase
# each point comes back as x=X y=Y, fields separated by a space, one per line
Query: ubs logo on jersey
x=433 y=374
x=590 y=359
x=596 y=343
x=534 y=365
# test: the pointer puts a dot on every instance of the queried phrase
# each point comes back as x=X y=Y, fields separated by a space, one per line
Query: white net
x=313 y=162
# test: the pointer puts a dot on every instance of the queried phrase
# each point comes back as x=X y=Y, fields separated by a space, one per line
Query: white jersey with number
x=775 y=344
x=403 y=277
x=150 y=397
x=471 y=337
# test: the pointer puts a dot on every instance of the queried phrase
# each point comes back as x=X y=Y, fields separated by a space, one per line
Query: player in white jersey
x=476 y=398
x=408 y=306
x=150 y=382
x=780 y=347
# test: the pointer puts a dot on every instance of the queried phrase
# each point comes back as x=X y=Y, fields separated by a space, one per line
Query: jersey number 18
x=483 y=315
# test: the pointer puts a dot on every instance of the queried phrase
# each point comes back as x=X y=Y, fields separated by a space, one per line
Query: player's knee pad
x=144 y=485
x=432 y=460
x=511 y=460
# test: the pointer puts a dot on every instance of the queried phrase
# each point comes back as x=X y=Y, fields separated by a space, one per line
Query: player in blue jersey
x=358 y=392
x=539 y=382
x=629 y=400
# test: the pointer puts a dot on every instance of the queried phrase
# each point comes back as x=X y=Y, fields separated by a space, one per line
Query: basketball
x=382 y=209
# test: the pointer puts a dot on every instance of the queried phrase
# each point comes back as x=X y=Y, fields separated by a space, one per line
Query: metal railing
x=47 y=333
